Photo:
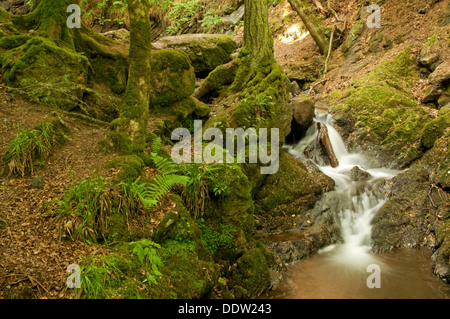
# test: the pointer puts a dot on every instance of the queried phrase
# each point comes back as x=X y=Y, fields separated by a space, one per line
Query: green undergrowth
x=31 y=148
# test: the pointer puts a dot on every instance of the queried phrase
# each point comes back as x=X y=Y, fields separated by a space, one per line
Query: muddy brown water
x=404 y=274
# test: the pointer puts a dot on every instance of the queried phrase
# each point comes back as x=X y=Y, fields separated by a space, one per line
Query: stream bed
x=343 y=270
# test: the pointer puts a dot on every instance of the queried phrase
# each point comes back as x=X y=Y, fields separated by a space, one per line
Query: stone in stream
x=303 y=109
x=357 y=174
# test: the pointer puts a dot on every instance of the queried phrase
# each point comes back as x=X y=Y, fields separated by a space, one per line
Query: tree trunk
x=315 y=31
x=137 y=98
x=324 y=140
x=49 y=18
x=257 y=48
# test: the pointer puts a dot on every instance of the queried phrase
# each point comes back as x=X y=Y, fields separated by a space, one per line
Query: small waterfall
x=354 y=200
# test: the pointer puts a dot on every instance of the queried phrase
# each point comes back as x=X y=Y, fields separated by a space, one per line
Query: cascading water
x=340 y=270
x=354 y=202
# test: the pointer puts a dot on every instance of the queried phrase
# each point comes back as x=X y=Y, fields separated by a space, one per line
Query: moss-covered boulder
x=434 y=129
x=46 y=72
x=252 y=274
x=180 y=114
x=130 y=167
x=384 y=116
x=205 y=51
x=292 y=190
x=173 y=78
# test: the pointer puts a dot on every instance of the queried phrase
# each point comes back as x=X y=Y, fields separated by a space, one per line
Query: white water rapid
x=354 y=202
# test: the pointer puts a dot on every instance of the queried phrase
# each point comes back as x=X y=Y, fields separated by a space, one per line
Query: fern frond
x=162 y=184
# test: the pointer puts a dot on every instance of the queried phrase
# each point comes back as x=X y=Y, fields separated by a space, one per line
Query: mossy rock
x=180 y=114
x=47 y=73
x=235 y=205
x=408 y=219
x=178 y=225
x=437 y=161
x=385 y=117
x=442 y=267
x=172 y=78
x=434 y=129
x=293 y=188
x=130 y=166
x=252 y=274
x=184 y=274
x=205 y=51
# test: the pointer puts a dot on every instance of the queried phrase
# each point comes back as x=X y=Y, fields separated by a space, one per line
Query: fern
x=164 y=165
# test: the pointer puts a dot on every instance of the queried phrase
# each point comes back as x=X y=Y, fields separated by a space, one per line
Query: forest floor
x=33 y=259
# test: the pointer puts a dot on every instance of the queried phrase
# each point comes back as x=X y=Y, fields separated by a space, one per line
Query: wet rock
x=410 y=214
x=37 y=182
x=281 y=194
x=357 y=174
x=302 y=245
x=205 y=51
x=304 y=71
x=303 y=108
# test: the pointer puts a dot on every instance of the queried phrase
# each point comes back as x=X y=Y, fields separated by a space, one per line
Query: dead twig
x=316 y=84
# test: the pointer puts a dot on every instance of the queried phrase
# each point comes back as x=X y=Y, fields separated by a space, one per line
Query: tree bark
x=137 y=98
x=257 y=49
x=49 y=18
x=324 y=140
x=315 y=31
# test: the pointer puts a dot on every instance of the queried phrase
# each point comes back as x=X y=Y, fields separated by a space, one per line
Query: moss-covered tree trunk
x=257 y=48
x=134 y=115
x=315 y=31
x=49 y=18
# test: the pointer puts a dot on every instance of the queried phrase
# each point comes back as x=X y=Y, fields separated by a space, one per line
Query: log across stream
x=343 y=270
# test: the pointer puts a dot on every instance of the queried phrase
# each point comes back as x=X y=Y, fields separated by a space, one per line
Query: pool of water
x=404 y=274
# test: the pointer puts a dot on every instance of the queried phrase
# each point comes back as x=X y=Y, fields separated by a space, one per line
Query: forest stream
x=341 y=271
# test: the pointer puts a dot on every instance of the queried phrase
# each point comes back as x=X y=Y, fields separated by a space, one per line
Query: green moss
x=294 y=195
x=354 y=34
x=173 y=78
x=205 y=51
x=130 y=167
x=49 y=18
x=219 y=242
x=12 y=42
x=434 y=129
x=252 y=273
x=437 y=160
x=47 y=72
x=387 y=117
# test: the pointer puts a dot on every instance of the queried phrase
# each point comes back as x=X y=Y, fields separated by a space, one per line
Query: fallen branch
x=324 y=140
x=316 y=84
